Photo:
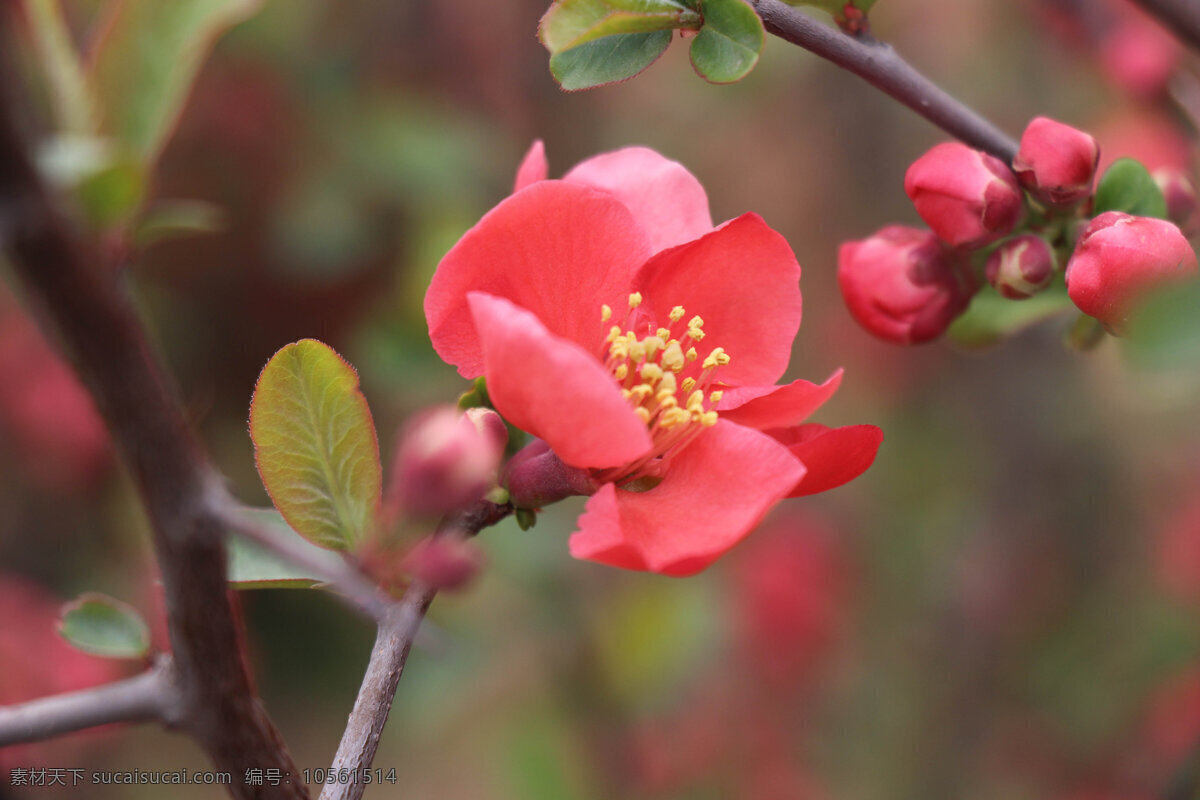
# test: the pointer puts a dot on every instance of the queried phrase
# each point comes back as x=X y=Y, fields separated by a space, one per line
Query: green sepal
x=1128 y=187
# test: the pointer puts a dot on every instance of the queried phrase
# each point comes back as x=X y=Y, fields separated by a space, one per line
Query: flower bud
x=1056 y=163
x=903 y=285
x=1180 y=194
x=1021 y=267
x=443 y=563
x=967 y=197
x=536 y=477
x=1118 y=258
x=446 y=460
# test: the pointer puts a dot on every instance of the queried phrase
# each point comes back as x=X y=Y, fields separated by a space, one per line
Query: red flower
x=1119 y=258
x=612 y=321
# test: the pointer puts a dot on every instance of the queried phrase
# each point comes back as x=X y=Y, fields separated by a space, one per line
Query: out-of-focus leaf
x=571 y=23
x=70 y=95
x=607 y=60
x=727 y=47
x=1165 y=331
x=169 y=219
x=1127 y=186
x=991 y=317
x=251 y=566
x=544 y=760
x=145 y=64
x=112 y=195
x=103 y=626
x=315 y=444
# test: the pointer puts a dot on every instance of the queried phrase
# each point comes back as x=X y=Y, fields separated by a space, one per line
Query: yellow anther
x=717 y=358
x=643 y=414
x=672 y=417
x=676 y=313
x=688 y=384
x=653 y=345
x=627 y=393
x=640 y=392
x=622 y=371
x=637 y=352
x=651 y=373
x=692 y=355
x=606 y=313
x=716 y=396
x=695 y=401
x=708 y=419
x=667 y=383
x=696 y=322
x=619 y=349
x=666 y=399
x=695 y=334
x=663 y=333
x=672 y=357
x=614 y=333
x=635 y=299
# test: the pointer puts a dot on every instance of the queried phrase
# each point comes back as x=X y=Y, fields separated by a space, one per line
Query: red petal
x=714 y=493
x=666 y=200
x=833 y=456
x=554 y=389
x=743 y=280
x=533 y=167
x=764 y=407
x=556 y=249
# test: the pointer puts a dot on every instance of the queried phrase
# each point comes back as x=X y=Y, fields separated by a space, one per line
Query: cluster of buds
x=1022 y=229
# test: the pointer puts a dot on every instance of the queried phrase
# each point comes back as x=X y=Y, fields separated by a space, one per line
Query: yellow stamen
x=692 y=355
x=677 y=313
x=708 y=419
x=717 y=358
x=653 y=345
x=640 y=392
x=614 y=333
x=695 y=401
x=672 y=357
x=635 y=299
x=622 y=371
x=606 y=314
x=667 y=383
x=643 y=414
x=663 y=333
x=716 y=396
x=688 y=384
x=651 y=373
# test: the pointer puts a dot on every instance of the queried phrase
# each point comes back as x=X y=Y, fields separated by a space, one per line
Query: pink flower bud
x=1056 y=163
x=1120 y=257
x=536 y=477
x=903 y=285
x=443 y=563
x=967 y=197
x=1180 y=194
x=446 y=460
x=1021 y=267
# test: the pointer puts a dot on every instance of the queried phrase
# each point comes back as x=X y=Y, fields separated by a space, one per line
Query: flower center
x=660 y=377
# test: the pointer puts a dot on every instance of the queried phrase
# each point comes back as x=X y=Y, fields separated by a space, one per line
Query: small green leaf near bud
x=104 y=626
x=1127 y=186
x=728 y=45
x=608 y=60
x=526 y=518
x=571 y=23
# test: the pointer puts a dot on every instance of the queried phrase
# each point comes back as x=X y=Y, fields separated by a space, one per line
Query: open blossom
x=641 y=345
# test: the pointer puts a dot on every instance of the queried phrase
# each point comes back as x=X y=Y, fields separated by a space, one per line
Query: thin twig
x=394 y=640
x=77 y=292
x=1181 y=17
x=879 y=65
x=341 y=578
x=151 y=696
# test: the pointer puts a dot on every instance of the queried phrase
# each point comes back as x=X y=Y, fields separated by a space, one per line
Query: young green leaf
x=103 y=626
x=607 y=60
x=571 y=23
x=991 y=318
x=1128 y=187
x=251 y=566
x=144 y=65
x=315 y=445
x=727 y=46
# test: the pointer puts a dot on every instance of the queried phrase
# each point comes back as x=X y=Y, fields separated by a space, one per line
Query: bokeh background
x=1003 y=607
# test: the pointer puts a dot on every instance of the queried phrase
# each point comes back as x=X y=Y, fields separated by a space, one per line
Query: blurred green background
x=1003 y=607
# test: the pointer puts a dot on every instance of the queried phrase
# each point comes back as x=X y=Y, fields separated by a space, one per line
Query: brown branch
x=96 y=322
x=879 y=65
x=394 y=640
x=1181 y=17
x=148 y=697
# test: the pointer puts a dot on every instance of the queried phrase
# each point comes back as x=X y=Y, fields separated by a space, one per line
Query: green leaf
x=251 y=566
x=607 y=60
x=103 y=626
x=1127 y=186
x=991 y=318
x=112 y=195
x=170 y=219
x=315 y=445
x=1165 y=330
x=70 y=95
x=145 y=65
x=571 y=23
x=727 y=47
